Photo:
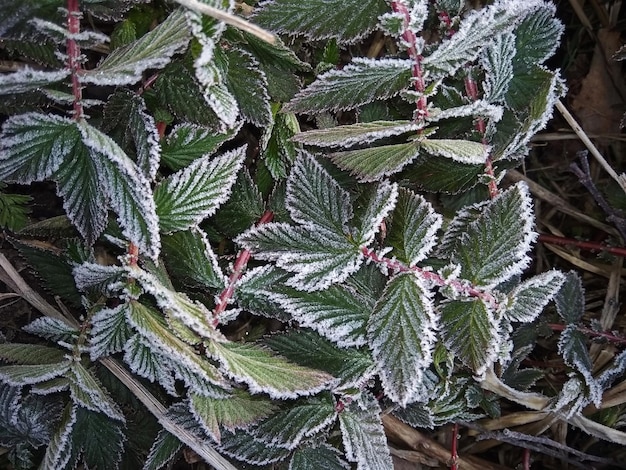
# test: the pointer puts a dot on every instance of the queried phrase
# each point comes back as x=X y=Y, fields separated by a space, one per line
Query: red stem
x=239 y=267
x=73 y=55
x=597 y=334
x=592 y=246
x=526 y=461
x=454 y=453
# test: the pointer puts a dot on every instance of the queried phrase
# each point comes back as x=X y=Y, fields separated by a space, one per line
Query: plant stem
x=593 y=246
x=238 y=268
x=597 y=334
x=73 y=55
x=454 y=457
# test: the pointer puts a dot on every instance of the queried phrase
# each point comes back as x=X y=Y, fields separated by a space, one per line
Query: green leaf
x=87 y=392
x=59 y=450
x=164 y=450
x=338 y=313
x=98 y=439
x=249 y=86
x=401 y=334
x=52 y=329
x=243 y=209
x=355 y=134
x=538 y=35
x=381 y=202
x=31 y=354
x=128 y=190
x=254 y=291
x=317 y=456
x=570 y=301
x=350 y=365
x=414 y=227
x=438 y=174
x=188 y=142
x=14 y=210
x=470 y=330
x=27 y=79
x=315 y=200
x=109 y=332
x=189 y=256
x=529 y=298
x=497 y=60
x=363 y=434
x=493 y=246
x=461 y=151
x=128 y=122
x=304 y=418
x=33 y=146
x=278 y=150
x=125 y=65
x=239 y=410
x=19 y=375
x=372 y=164
x=244 y=447
x=316 y=261
x=265 y=372
x=189 y=196
x=358 y=83
x=348 y=21
x=573 y=347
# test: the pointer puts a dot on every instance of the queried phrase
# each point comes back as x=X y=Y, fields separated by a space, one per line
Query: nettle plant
x=327 y=239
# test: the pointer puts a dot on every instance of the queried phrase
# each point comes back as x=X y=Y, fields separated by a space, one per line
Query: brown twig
x=73 y=55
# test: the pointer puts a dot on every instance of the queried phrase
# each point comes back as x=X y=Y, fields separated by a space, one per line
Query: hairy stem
x=587 y=331
x=73 y=55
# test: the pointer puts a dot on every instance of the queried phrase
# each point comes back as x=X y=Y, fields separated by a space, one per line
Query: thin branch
x=73 y=55
x=228 y=18
x=592 y=246
x=596 y=334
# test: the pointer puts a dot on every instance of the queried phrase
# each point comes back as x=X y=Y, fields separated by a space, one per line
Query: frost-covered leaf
x=33 y=146
x=570 y=301
x=127 y=189
x=189 y=196
x=315 y=200
x=188 y=142
x=29 y=374
x=239 y=410
x=254 y=291
x=103 y=278
x=244 y=447
x=304 y=418
x=494 y=246
x=573 y=348
x=538 y=35
x=244 y=208
x=529 y=298
x=358 y=83
x=475 y=32
x=266 y=372
x=355 y=134
x=125 y=65
x=470 y=330
x=438 y=174
x=497 y=60
x=414 y=226
x=109 y=332
x=189 y=256
x=317 y=261
x=381 y=203
x=31 y=354
x=374 y=163
x=249 y=86
x=314 y=457
x=52 y=329
x=363 y=434
x=28 y=79
x=97 y=440
x=350 y=365
x=462 y=151
x=164 y=451
x=347 y=22
x=59 y=450
x=145 y=362
x=401 y=334
x=127 y=120
x=87 y=392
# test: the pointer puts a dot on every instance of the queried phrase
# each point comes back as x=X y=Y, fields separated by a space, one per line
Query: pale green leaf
x=87 y=392
x=31 y=354
x=52 y=329
x=497 y=60
x=461 y=151
x=109 y=332
x=304 y=418
x=570 y=301
x=188 y=142
x=494 y=246
x=470 y=330
x=529 y=298
x=358 y=83
x=239 y=410
x=314 y=457
x=145 y=362
x=125 y=65
x=372 y=164
x=317 y=261
x=355 y=134
x=413 y=229
x=350 y=365
x=363 y=434
x=315 y=200
x=33 y=146
x=264 y=372
x=347 y=22
x=27 y=79
x=189 y=196
x=29 y=374
x=401 y=334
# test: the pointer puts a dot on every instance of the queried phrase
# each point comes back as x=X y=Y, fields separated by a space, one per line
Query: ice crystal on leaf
x=529 y=298
x=28 y=79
